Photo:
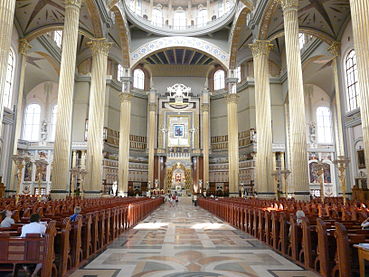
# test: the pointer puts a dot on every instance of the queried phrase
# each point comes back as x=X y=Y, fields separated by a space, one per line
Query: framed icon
x=178 y=130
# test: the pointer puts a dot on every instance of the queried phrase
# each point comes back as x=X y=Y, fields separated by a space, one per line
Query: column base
x=59 y=194
x=234 y=194
x=266 y=195
x=92 y=193
x=302 y=195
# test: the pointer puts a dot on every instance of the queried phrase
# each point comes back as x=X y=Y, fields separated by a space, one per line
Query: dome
x=180 y=17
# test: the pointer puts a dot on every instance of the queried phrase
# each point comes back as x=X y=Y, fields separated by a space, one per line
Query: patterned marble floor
x=187 y=241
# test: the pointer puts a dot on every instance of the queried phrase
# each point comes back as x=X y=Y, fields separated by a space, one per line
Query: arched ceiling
x=33 y=15
x=326 y=17
x=179 y=57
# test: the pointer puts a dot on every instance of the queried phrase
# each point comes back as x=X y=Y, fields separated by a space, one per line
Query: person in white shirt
x=35 y=227
x=8 y=220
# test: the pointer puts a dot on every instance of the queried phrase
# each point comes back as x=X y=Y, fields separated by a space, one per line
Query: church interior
x=184 y=138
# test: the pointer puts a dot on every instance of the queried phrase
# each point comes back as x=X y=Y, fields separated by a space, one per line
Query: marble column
x=299 y=164
x=264 y=180
x=335 y=50
x=7 y=9
x=205 y=134
x=233 y=155
x=124 y=131
x=360 y=27
x=24 y=46
x=100 y=51
x=151 y=134
x=63 y=130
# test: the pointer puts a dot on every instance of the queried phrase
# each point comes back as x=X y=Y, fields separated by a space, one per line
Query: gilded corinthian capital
x=24 y=46
x=73 y=3
x=125 y=97
x=99 y=46
x=232 y=98
x=261 y=47
x=289 y=4
x=335 y=49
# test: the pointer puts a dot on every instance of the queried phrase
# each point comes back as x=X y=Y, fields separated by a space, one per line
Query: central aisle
x=187 y=241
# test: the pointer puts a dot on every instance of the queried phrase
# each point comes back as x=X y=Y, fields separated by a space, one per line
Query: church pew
x=32 y=249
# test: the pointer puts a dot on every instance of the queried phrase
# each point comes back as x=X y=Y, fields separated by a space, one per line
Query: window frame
x=351 y=81
x=9 y=80
x=219 y=82
x=139 y=79
x=34 y=126
x=324 y=125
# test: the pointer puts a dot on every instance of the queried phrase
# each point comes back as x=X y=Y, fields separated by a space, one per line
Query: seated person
x=34 y=227
x=77 y=210
x=299 y=215
x=7 y=219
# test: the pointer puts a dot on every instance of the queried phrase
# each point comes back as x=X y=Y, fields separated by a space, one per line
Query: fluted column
x=7 y=9
x=205 y=134
x=100 y=51
x=151 y=135
x=24 y=46
x=124 y=131
x=233 y=155
x=360 y=27
x=299 y=165
x=264 y=180
x=63 y=131
x=335 y=50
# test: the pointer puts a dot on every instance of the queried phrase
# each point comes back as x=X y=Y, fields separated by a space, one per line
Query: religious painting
x=327 y=174
x=313 y=173
x=178 y=130
x=28 y=172
x=361 y=159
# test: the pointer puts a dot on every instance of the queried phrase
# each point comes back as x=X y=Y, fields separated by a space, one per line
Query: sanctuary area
x=184 y=138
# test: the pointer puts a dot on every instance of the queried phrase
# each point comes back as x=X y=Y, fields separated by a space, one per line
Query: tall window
x=136 y=6
x=324 y=125
x=53 y=122
x=31 y=129
x=157 y=17
x=58 y=38
x=179 y=20
x=219 y=79
x=120 y=72
x=352 y=86
x=238 y=73
x=8 y=90
x=202 y=17
x=138 y=79
x=302 y=40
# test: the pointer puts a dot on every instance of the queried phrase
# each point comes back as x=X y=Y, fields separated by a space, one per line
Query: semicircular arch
x=197 y=44
x=236 y=30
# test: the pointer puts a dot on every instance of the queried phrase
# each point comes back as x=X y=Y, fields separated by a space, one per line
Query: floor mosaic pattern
x=187 y=241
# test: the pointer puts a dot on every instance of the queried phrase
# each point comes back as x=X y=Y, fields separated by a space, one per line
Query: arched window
x=219 y=82
x=136 y=6
x=31 y=129
x=179 y=19
x=238 y=73
x=157 y=17
x=58 y=38
x=53 y=122
x=302 y=40
x=120 y=72
x=202 y=17
x=324 y=125
x=352 y=86
x=138 y=79
x=8 y=90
